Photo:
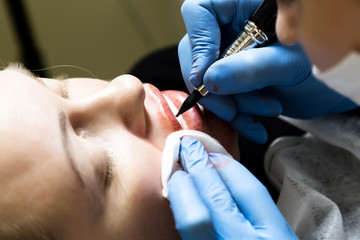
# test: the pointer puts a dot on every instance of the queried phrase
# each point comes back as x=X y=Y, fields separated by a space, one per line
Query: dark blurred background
x=104 y=37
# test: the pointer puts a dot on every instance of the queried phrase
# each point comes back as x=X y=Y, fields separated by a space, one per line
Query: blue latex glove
x=220 y=199
x=265 y=81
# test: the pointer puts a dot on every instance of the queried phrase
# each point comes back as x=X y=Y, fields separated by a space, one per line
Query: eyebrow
x=21 y=69
x=65 y=143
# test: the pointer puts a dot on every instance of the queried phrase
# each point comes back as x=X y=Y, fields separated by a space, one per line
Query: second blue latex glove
x=220 y=199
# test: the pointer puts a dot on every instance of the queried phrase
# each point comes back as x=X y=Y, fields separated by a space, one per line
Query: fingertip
x=212 y=77
x=176 y=177
x=201 y=62
x=192 y=152
x=189 y=142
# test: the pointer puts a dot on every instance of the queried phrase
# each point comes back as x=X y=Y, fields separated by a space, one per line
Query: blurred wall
x=104 y=37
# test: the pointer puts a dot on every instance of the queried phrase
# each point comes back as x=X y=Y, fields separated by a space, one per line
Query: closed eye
x=106 y=171
x=109 y=172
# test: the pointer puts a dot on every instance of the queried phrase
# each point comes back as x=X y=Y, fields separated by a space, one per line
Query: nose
x=286 y=23
x=120 y=104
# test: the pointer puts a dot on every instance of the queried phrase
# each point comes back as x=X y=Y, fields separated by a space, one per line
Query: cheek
x=319 y=26
x=138 y=169
x=137 y=202
x=320 y=44
x=145 y=167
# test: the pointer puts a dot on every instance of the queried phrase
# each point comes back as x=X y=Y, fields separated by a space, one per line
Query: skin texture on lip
x=191 y=119
x=170 y=116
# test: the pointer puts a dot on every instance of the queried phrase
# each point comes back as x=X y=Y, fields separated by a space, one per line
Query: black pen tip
x=189 y=102
x=184 y=108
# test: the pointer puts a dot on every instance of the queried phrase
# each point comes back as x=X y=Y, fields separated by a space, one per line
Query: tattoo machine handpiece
x=258 y=31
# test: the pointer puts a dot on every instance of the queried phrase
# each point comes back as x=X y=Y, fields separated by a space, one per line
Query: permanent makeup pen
x=259 y=29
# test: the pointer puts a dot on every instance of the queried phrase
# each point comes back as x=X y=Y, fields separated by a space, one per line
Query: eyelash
x=108 y=155
x=109 y=172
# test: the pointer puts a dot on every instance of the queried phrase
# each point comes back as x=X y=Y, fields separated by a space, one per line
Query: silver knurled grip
x=250 y=38
x=255 y=33
x=202 y=90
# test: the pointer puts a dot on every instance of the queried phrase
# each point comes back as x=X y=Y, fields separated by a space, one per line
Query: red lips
x=171 y=102
x=191 y=119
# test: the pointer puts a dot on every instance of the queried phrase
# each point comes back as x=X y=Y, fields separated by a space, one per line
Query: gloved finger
x=203 y=19
x=249 y=193
x=192 y=218
x=274 y=65
x=204 y=35
x=211 y=188
x=257 y=103
x=185 y=59
x=249 y=127
x=322 y=100
x=222 y=106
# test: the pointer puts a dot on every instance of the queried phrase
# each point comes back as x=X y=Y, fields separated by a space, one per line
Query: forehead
x=28 y=114
x=21 y=94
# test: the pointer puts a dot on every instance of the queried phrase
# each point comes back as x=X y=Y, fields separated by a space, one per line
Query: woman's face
x=82 y=157
x=328 y=29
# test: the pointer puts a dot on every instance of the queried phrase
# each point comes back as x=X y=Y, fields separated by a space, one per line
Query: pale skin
x=86 y=162
x=327 y=29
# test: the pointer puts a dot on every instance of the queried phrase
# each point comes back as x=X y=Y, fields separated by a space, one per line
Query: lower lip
x=171 y=102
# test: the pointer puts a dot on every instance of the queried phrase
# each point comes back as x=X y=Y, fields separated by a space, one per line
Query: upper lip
x=171 y=101
x=165 y=106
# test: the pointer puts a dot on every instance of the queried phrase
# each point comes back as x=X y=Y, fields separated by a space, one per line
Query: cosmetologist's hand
x=220 y=199
x=264 y=81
